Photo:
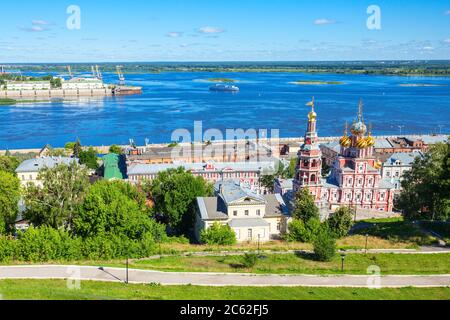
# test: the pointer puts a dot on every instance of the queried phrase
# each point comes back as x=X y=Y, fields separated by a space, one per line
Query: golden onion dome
x=370 y=141
x=377 y=164
x=361 y=143
x=345 y=141
x=312 y=115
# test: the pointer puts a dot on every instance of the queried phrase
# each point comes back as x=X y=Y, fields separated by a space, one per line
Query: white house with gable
x=252 y=216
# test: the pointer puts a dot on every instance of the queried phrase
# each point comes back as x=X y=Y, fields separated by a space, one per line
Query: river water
x=175 y=100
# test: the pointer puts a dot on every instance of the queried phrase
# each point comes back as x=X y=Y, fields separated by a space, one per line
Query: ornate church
x=355 y=179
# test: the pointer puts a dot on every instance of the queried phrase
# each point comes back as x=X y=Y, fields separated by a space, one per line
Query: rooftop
x=36 y=164
x=143 y=168
x=405 y=158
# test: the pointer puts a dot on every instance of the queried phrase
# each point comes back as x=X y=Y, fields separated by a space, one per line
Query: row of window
x=247 y=212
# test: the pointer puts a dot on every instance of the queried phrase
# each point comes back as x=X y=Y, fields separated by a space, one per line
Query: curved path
x=219 y=279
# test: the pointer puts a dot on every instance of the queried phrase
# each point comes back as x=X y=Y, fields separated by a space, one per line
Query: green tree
x=9 y=164
x=174 y=193
x=340 y=222
x=303 y=232
x=426 y=187
x=115 y=207
x=290 y=170
x=267 y=181
x=249 y=260
x=69 y=146
x=304 y=206
x=324 y=245
x=89 y=158
x=115 y=149
x=55 y=203
x=77 y=149
x=9 y=200
x=218 y=234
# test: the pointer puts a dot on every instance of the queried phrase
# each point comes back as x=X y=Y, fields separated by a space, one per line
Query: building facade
x=355 y=179
x=396 y=165
x=28 y=85
x=82 y=83
x=247 y=173
x=28 y=171
x=251 y=216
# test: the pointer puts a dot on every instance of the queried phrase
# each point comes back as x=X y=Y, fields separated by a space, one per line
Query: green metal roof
x=111 y=167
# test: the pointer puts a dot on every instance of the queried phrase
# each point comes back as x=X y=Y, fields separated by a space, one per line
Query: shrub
x=340 y=222
x=218 y=234
x=303 y=232
x=324 y=245
x=249 y=260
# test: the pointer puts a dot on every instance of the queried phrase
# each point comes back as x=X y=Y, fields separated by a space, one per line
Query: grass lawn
x=303 y=264
x=440 y=227
x=394 y=230
x=90 y=290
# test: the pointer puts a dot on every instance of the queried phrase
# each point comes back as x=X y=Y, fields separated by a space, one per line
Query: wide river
x=175 y=100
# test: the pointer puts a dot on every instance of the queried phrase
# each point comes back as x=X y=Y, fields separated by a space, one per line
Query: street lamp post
x=126 y=281
x=259 y=236
x=367 y=238
x=342 y=261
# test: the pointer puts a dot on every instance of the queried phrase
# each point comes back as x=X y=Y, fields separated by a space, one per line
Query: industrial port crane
x=70 y=72
x=120 y=74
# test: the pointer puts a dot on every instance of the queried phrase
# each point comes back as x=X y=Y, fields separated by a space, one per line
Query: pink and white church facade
x=355 y=179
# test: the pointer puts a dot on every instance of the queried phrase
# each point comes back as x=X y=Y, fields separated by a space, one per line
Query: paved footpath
x=219 y=279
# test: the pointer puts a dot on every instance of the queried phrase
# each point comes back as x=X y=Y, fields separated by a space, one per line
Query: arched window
x=313 y=178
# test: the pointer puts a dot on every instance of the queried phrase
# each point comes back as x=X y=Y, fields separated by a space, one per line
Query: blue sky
x=212 y=30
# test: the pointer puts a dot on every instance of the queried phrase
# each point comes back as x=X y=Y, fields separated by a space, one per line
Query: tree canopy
x=114 y=207
x=9 y=164
x=218 y=234
x=115 y=149
x=89 y=158
x=174 y=193
x=9 y=199
x=56 y=201
x=426 y=187
x=304 y=206
x=340 y=222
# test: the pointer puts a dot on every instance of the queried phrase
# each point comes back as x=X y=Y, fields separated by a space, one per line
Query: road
x=218 y=279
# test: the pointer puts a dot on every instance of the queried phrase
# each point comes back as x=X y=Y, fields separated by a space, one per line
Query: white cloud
x=174 y=34
x=447 y=40
x=33 y=29
x=428 y=48
x=40 y=22
x=447 y=12
x=209 y=30
x=320 y=22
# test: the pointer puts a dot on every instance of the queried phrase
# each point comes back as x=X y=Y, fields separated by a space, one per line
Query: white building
x=396 y=165
x=29 y=169
x=82 y=83
x=252 y=217
x=28 y=85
